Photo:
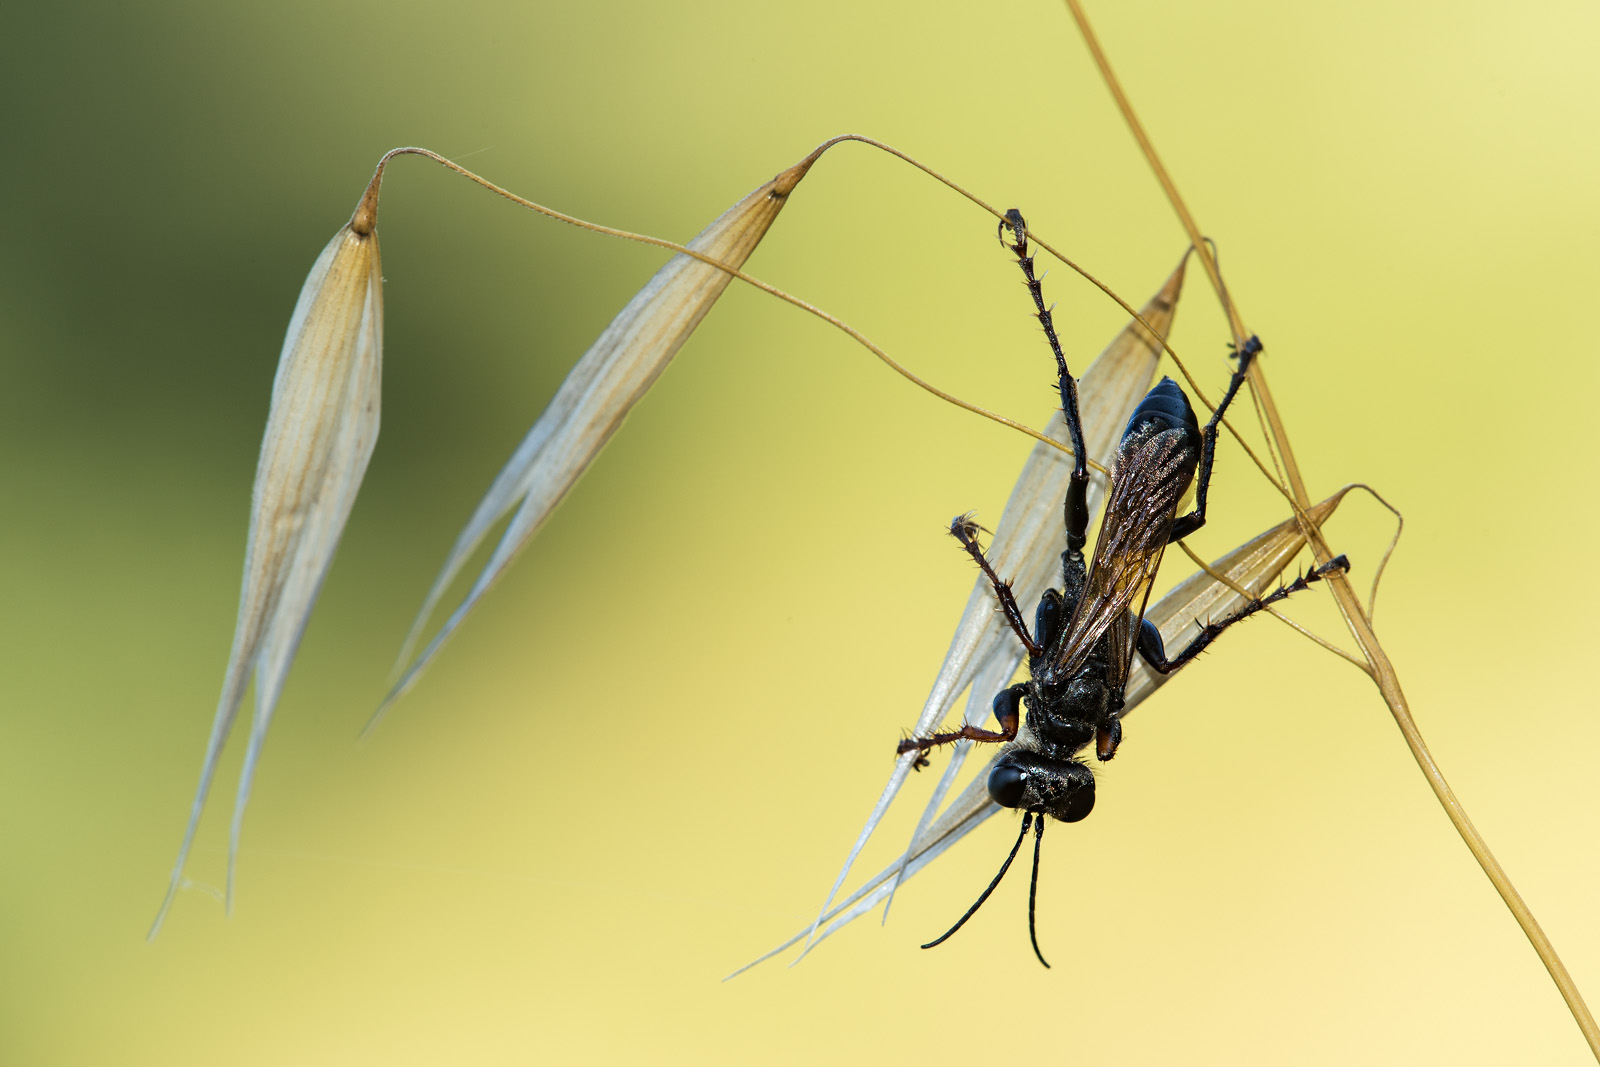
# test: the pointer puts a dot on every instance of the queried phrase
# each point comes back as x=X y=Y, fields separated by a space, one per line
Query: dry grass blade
x=1027 y=541
x=596 y=396
x=320 y=433
x=1254 y=566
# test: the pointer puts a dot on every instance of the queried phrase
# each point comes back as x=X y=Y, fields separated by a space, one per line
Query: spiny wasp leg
x=963 y=529
x=1007 y=709
x=1188 y=524
x=1075 y=509
x=1151 y=648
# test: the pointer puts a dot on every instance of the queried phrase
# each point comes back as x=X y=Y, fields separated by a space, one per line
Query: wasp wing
x=1153 y=472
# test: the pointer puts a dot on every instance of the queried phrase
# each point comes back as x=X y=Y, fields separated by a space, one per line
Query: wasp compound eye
x=1005 y=785
x=1081 y=804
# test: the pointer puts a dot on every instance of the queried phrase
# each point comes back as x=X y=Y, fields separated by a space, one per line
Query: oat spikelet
x=596 y=396
x=320 y=432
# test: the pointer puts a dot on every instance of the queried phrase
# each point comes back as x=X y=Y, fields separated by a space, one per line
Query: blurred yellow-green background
x=640 y=765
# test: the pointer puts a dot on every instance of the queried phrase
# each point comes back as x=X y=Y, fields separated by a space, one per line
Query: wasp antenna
x=1033 y=889
x=1027 y=822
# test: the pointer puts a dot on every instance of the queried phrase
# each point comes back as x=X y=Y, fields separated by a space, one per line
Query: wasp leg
x=1188 y=524
x=1048 y=617
x=1108 y=734
x=1076 y=507
x=1154 y=653
x=963 y=529
x=1007 y=709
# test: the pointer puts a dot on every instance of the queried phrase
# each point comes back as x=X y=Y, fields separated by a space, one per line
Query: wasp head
x=1062 y=789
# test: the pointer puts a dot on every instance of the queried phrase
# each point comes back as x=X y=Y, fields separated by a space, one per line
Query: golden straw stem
x=1382 y=671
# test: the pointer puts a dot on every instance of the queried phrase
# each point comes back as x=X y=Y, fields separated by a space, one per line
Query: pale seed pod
x=597 y=394
x=321 y=429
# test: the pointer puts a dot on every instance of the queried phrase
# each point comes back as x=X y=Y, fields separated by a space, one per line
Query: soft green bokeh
x=639 y=766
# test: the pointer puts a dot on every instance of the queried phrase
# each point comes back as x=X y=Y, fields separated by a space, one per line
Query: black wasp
x=1085 y=636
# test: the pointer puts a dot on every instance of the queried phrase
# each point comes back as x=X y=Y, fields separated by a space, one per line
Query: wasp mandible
x=1085 y=635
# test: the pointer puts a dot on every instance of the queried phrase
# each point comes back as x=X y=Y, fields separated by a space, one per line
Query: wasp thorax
x=1062 y=789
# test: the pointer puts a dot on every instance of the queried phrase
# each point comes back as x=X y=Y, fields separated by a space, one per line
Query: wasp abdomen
x=1164 y=407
